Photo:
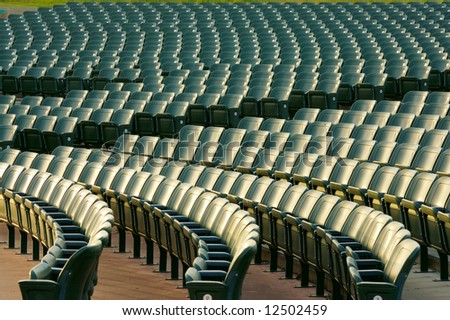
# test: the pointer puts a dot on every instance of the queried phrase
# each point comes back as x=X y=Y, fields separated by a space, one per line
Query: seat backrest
x=403 y=120
x=65 y=125
x=438 y=193
x=400 y=263
x=387 y=133
x=272 y=125
x=353 y=116
x=306 y=203
x=295 y=126
x=45 y=123
x=106 y=176
x=122 y=178
x=323 y=208
x=24 y=179
x=330 y=115
x=176 y=108
x=403 y=154
x=24 y=121
x=426 y=157
x=307 y=114
x=90 y=173
x=56 y=72
x=343 y=170
x=250 y=123
x=318 y=128
x=122 y=116
x=226 y=181
x=323 y=167
x=209 y=177
x=211 y=134
x=79 y=271
x=102 y=115
x=339 y=215
x=232 y=135
x=434 y=138
x=242 y=185
x=442 y=164
x=420 y=186
x=190 y=133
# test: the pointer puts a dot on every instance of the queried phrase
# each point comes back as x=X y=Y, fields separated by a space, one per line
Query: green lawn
x=47 y=3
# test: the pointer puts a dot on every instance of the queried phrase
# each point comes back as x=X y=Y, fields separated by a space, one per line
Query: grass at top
x=48 y=3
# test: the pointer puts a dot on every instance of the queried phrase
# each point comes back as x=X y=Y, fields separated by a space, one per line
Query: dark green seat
x=62 y=135
x=172 y=120
x=106 y=75
x=297 y=97
x=90 y=129
x=229 y=287
x=372 y=88
x=73 y=281
x=52 y=82
x=79 y=79
x=32 y=137
x=30 y=81
x=119 y=124
x=388 y=283
x=11 y=81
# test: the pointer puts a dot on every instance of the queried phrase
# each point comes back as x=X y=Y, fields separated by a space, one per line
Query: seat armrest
x=124 y=197
x=337 y=187
x=308 y=226
x=375 y=194
x=430 y=211
x=315 y=183
x=97 y=189
x=247 y=203
x=110 y=193
x=293 y=221
x=278 y=214
x=262 y=208
x=389 y=198
x=357 y=191
x=409 y=204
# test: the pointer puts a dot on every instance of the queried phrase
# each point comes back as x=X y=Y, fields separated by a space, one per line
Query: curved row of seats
x=128 y=175
x=375 y=189
x=64 y=217
x=70 y=223
x=31 y=128
x=126 y=180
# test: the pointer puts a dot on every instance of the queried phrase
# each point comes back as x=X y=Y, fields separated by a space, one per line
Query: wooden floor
x=124 y=278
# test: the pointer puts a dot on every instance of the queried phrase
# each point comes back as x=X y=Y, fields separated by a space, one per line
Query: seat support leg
x=11 y=237
x=304 y=278
x=443 y=259
x=122 y=240
x=336 y=290
x=35 y=249
x=23 y=242
x=258 y=255
x=320 y=285
x=423 y=258
x=173 y=268
x=185 y=268
x=136 y=246
x=273 y=260
x=289 y=272
x=162 y=260
x=149 y=252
